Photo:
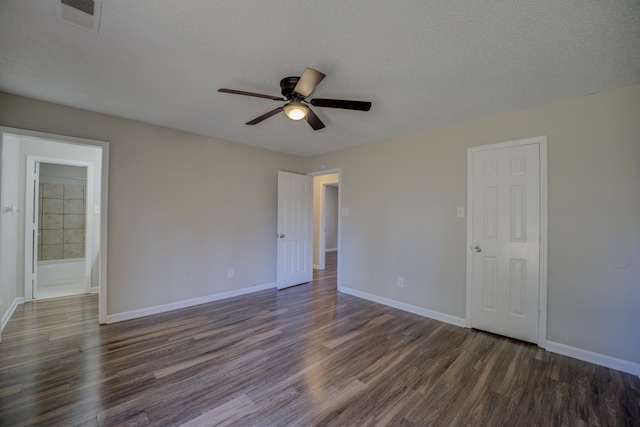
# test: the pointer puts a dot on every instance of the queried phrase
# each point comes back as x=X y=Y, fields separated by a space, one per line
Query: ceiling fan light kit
x=295 y=91
x=296 y=110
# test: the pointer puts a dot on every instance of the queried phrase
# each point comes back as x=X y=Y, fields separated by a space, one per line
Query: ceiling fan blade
x=308 y=82
x=264 y=116
x=342 y=103
x=313 y=120
x=257 y=95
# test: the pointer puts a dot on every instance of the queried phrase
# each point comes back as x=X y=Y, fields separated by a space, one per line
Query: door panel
x=35 y=221
x=31 y=218
x=505 y=230
x=295 y=231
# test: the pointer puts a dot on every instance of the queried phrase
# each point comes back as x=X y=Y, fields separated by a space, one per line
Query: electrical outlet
x=400 y=282
x=230 y=273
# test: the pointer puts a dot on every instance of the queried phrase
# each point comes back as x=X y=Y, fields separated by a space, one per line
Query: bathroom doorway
x=23 y=152
x=62 y=231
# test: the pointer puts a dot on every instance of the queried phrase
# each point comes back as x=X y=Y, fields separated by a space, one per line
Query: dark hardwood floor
x=302 y=356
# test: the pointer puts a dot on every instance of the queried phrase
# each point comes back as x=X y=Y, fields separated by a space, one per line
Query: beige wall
x=9 y=224
x=405 y=224
x=183 y=208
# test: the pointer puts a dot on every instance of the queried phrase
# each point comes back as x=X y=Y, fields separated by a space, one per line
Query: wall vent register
x=80 y=13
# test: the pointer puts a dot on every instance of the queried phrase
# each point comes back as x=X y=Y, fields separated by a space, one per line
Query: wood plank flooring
x=299 y=357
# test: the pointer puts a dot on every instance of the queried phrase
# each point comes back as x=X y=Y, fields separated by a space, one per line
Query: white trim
x=315 y=267
x=542 y=301
x=78 y=19
x=5 y=319
x=552 y=347
x=595 y=358
x=94 y=290
x=331 y=250
x=134 y=314
x=544 y=221
x=326 y=172
x=319 y=246
x=104 y=199
x=436 y=315
x=104 y=210
x=30 y=279
x=469 y=243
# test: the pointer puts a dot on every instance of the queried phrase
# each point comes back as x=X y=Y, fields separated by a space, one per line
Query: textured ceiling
x=423 y=63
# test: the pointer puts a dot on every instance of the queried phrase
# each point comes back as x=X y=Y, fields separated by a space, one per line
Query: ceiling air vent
x=81 y=13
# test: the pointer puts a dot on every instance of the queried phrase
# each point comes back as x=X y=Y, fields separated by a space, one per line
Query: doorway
x=506 y=239
x=85 y=242
x=326 y=218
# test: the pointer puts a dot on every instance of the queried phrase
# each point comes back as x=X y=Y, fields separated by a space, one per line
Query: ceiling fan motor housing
x=287 y=85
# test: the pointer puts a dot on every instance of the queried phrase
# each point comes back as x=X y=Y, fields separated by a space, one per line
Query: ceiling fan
x=295 y=90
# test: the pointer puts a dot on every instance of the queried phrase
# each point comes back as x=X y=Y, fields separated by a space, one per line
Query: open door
x=31 y=230
x=295 y=229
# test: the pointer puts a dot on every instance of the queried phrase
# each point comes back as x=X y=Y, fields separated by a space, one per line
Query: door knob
x=282 y=236
x=477 y=249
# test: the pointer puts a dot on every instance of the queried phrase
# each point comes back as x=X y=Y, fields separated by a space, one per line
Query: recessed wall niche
x=61 y=209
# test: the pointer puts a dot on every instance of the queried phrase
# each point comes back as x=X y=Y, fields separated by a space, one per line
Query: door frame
x=104 y=199
x=541 y=141
x=30 y=288
x=331 y=172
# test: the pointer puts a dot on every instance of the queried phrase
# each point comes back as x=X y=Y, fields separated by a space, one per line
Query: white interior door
x=505 y=240
x=32 y=221
x=295 y=229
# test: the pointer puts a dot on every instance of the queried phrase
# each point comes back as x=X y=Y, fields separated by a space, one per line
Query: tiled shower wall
x=62 y=221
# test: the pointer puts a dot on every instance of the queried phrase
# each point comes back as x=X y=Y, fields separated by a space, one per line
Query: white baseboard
x=94 y=290
x=331 y=250
x=16 y=302
x=595 y=358
x=316 y=267
x=134 y=314
x=554 y=347
x=447 y=318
